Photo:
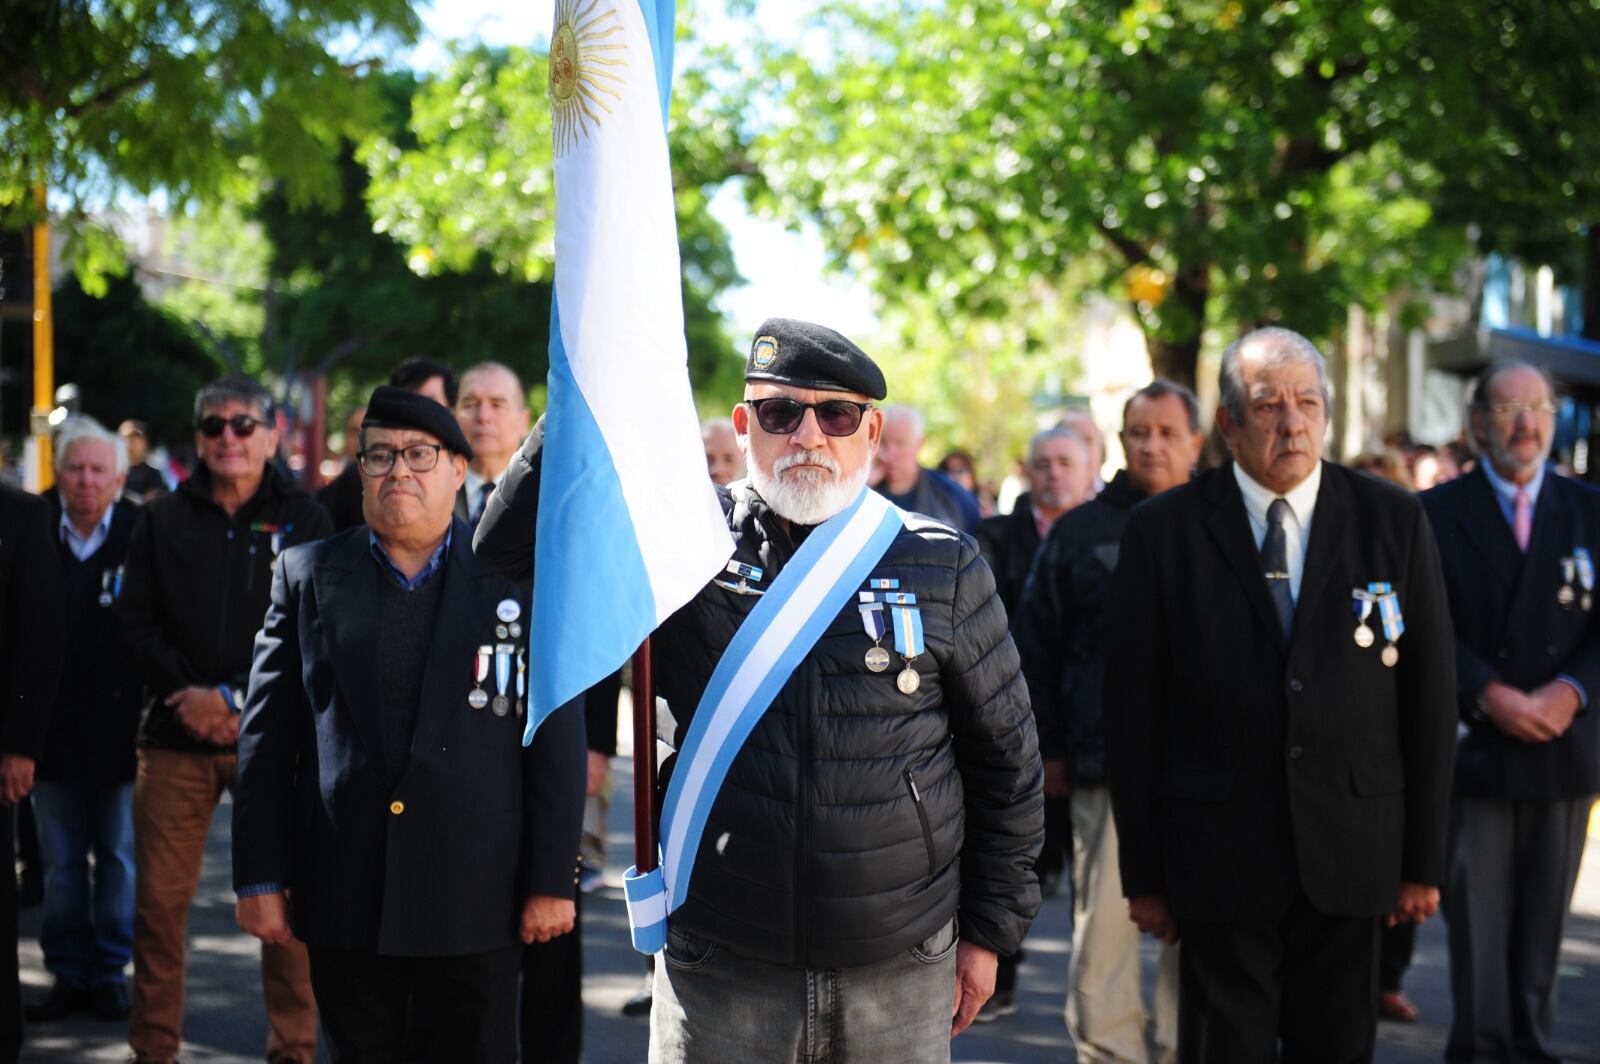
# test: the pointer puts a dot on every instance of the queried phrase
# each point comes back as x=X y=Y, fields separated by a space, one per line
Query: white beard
x=807 y=498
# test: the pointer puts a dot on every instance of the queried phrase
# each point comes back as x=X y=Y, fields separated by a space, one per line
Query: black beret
x=809 y=356
x=396 y=408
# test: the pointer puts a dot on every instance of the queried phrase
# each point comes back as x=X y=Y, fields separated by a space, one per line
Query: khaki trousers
x=174 y=798
x=1105 y=1012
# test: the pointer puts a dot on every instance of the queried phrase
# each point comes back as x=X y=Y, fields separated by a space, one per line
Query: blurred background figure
x=492 y=408
x=144 y=480
x=83 y=799
x=898 y=476
x=1082 y=422
x=1430 y=466
x=1387 y=464
x=724 y=461
x=959 y=467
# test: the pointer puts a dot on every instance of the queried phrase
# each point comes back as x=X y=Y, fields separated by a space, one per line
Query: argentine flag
x=629 y=525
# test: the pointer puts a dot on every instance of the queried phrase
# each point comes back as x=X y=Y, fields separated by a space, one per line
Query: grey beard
x=804 y=501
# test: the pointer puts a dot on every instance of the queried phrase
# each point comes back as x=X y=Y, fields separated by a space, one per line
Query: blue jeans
x=712 y=1007
x=86 y=935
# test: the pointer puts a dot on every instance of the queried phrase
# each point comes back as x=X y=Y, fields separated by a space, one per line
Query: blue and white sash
x=818 y=582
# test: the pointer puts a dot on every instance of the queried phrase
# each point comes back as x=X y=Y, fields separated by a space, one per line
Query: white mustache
x=812 y=458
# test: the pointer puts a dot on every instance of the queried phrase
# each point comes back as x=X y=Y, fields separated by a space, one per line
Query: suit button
x=1294 y=753
x=397 y=808
x=1296 y=686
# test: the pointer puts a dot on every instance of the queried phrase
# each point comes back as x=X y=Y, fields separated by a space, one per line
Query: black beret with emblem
x=396 y=408
x=786 y=351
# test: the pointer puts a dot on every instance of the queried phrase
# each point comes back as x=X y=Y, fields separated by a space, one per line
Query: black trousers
x=1308 y=979
x=1396 y=945
x=417 y=1010
x=552 y=997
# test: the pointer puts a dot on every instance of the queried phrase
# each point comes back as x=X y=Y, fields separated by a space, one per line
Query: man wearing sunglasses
x=195 y=586
x=383 y=786
x=870 y=851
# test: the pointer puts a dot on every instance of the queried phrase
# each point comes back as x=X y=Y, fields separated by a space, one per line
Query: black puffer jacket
x=855 y=820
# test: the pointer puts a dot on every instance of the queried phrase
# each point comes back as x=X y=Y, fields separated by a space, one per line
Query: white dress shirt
x=1302 y=500
x=83 y=547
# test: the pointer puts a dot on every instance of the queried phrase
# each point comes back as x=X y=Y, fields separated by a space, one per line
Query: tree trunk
x=1591 y=284
x=1177 y=359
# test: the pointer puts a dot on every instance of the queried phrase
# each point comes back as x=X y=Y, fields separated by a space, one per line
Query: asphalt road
x=225 y=1022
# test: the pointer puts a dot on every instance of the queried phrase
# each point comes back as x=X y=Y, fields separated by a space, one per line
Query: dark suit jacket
x=1244 y=766
x=1009 y=542
x=32 y=617
x=485 y=821
x=1510 y=627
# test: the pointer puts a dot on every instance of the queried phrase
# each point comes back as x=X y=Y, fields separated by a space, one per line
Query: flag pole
x=644 y=759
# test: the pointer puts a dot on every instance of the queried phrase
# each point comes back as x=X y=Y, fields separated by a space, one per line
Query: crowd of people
x=1273 y=713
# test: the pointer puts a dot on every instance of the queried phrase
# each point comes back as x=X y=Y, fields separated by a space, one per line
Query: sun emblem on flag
x=581 y=51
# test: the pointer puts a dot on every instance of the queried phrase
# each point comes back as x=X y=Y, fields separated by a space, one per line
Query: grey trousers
x=712 y=1007
x=1512 y=868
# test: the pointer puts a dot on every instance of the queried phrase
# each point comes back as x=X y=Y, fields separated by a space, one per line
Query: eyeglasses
x=1511 y=410
x=419 y=458
x=781 y=416
x=212 y=425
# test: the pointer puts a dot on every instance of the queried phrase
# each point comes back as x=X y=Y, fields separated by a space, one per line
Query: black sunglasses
x=781 y=416
x=211 y=425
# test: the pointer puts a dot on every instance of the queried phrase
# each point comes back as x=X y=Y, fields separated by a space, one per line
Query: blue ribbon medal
x=1393 y=624
x=872 y=621
x=1585 y=564
x=1361 y=604
x=907 y=640
x=502 y=678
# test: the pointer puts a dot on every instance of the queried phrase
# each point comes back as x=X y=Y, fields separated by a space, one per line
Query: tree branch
x=109 y=95
x=1130 y=248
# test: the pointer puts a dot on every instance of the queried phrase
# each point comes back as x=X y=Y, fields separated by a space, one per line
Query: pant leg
x=66 y=930
x=468 y=1007
x=1549 y=838
x=551 y=1021
x=896 y=1011
x=1330 y=987
x=1105 y=1013
x=10 y=985
x=1394 y=955
x=363 y=999
x=174 y=796
x=1055 y=856
x=285 y=977
x=1228 y=996
x=111 y=836
x=1480 y=880
x=713 y=1007
x=1164 y=1013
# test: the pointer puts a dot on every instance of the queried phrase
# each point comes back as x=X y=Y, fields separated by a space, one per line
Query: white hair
x=1279 y=346
x=909 y=414
x=76 y=430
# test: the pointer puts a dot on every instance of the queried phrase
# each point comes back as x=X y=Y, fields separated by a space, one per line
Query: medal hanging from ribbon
x=1361 y=604
x=477 y=698
x=522 y=681
x=908 y=642
x=1569 y=571
x=1585 y=564
x=872 y=621
x=502 y=678
x=107 y=597
x=1393 y=624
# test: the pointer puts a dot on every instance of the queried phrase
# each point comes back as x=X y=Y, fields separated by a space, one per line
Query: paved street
x=225 y=1024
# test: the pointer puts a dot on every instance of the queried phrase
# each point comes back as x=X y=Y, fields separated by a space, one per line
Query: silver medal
x=477 y=698
x=502 y=632
x=500 y=706
x=908 y=681
x=105 y=598
x=1364 y=637
x=1565 y=595
x=515 y=629
x=1390 y=656
x=508 y=610
x=877 y=659
x=1588 y=602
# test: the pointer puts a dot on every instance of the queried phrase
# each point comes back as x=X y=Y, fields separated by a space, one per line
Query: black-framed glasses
x=781 y=415
x=1511 y=410
x=212 y=425
x=419 y=458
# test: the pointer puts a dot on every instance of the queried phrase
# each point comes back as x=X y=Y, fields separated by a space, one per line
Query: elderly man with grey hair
x=83 y=792
x=1279 y=714
x=899 y=477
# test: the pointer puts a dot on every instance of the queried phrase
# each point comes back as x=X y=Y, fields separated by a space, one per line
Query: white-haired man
x=874 y=804
x=1280 y=723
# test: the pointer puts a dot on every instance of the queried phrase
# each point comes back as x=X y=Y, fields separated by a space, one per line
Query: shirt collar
x=1506 y=491
x=1302 y=498
x=434 y=563
x=101 y=528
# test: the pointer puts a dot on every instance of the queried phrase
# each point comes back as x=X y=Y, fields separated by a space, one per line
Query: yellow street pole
x=44 y=355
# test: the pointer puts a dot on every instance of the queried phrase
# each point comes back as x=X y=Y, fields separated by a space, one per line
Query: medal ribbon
x=1585 y=567
x=502 y=666
x=872 y=620
x=1388 y=611
x=743 y=571
x=908 y=631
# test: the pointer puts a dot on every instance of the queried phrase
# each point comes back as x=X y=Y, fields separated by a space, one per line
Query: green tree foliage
x=1219 y=161
x=471 y=181
x=181 y=97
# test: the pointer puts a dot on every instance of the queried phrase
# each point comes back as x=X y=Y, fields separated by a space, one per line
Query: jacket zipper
x=802 y=835
x=922 y=818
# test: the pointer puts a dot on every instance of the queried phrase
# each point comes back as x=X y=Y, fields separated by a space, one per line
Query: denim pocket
x=687 y=952
x=937 y=946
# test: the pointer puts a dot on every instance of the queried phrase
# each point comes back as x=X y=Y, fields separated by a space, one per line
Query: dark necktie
x=1275 y=563
x=482 y=503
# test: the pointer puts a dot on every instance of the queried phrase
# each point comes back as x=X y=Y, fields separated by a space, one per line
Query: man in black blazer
x=1279 y=747
x=32 y=619
x=383 y=789
x=1519 y=545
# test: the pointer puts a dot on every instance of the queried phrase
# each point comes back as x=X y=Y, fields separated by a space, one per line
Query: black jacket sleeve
x=506 y=532
x=996 y=752
x=1041 y=630
x=32 y=627
x=165 y=667
x=554 y=777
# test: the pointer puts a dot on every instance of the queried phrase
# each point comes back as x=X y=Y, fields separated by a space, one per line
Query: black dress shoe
x=109 y=1003
x=63 y=1000
x=639 y=1004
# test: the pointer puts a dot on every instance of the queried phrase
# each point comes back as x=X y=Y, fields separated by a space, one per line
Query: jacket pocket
x=686 y=951
x=922 y=819
x=1199 y=785
x=1386 y=775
